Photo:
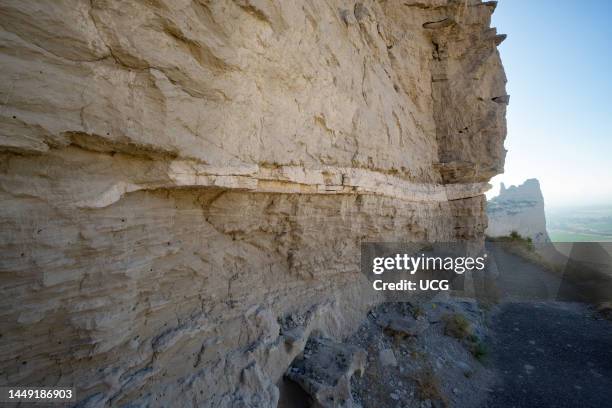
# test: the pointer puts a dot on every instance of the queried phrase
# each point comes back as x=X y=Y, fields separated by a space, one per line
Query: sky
x=558 y=61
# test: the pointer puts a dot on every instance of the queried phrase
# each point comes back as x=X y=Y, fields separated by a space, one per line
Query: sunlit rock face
x=179 y=176
x=518 y=209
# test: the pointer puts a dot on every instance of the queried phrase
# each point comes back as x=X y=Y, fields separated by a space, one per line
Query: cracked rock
x=324 y=371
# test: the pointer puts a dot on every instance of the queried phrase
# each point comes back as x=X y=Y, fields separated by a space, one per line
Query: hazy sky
x=558 y=60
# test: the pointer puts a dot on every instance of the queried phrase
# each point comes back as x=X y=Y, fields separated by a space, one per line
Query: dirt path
x=547 y=353
x=520 y=280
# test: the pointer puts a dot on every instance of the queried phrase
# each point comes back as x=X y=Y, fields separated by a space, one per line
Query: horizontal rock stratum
x=178 y=177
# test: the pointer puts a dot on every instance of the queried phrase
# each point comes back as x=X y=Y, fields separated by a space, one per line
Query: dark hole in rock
x=292 y=395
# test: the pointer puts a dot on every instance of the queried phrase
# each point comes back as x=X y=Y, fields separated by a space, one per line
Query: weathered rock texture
x=324 y=371
x=177 y=176
x=518 y=209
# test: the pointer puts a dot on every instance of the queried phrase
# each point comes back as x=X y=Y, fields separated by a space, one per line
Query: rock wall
x=178 y=178
x=519 y=209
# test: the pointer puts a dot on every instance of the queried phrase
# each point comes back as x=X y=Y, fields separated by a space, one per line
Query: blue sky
x=558 y=60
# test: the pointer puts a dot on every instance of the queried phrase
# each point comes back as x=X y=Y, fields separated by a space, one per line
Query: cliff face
x=520 y=209
x=179 y=176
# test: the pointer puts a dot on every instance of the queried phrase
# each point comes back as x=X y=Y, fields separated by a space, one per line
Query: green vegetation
x=569 y=236
x=457 y=326
x=428 y=386
x=479 y=350
x=515 y=239
x=580 y=224
x=417 y=311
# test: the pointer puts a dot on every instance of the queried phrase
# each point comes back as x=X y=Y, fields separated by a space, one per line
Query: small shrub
x=417 y=311
x=479 y=350
x=457 y=326
x=518 y=239
x=428 y=386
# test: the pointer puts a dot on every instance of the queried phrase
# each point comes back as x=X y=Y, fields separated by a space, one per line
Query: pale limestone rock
x=324 y=371
x=176 y=176
x=387 y=358
x=519 y=209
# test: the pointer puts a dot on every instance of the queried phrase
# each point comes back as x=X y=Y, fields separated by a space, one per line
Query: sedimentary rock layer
x=179 y=177
x=518 y=209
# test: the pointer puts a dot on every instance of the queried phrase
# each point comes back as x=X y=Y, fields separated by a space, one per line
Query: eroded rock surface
x=518 y=209
x=178 y=177
x=433 y=369
x=401 y=327
x=324 y=370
